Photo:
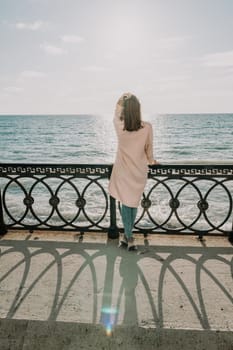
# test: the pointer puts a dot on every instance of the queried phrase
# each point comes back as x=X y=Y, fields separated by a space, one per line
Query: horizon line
x=104 y=114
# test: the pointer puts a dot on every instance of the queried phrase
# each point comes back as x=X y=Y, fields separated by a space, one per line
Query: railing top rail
x=190 y=168
x=103 y=170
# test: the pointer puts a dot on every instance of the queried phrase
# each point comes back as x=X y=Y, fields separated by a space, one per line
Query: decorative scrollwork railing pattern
x=177 y=198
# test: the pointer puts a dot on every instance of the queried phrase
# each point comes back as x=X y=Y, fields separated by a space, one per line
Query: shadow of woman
x=129 y=272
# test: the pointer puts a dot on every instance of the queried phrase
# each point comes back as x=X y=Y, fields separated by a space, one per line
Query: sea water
x=91 y=139
x=63 y=139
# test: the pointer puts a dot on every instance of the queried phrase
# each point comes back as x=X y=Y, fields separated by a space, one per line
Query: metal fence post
x=3 y=229
x=230 y=237
x=113 y=231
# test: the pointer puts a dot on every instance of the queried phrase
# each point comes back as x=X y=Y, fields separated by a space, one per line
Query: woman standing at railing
x=134 y=153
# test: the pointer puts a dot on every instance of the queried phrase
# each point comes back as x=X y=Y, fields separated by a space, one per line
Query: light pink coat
x=134 y=153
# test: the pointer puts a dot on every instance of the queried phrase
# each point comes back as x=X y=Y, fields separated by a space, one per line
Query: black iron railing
x=187 y=198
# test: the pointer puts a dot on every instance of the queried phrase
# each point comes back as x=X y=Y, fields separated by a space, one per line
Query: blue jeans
x=128 y=217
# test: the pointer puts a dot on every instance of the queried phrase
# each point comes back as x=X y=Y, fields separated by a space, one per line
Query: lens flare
x=109 y=319
x=109 y=330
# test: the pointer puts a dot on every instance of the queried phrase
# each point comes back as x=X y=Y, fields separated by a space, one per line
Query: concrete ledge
x=37 y=335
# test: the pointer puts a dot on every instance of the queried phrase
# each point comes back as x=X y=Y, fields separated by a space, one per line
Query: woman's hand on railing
x=155 y=162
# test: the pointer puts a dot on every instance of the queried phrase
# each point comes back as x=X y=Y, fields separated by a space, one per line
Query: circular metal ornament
x=81 y=202
x=28 y=201
x=203 y=205
x=146 y=203
x=54 y=201
x=174 y=203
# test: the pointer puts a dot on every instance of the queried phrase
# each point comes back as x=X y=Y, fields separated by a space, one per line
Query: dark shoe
x=124 y=242
x=132 y=246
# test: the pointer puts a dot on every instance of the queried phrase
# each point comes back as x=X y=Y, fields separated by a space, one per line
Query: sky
x=79 y=56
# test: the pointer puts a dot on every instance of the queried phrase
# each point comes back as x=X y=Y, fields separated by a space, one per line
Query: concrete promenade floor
x=74 y=292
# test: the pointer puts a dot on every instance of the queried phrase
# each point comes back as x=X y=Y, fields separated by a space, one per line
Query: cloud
x=13 y=89
x=174 y=83
x=32 y=74
x=4 y=22
x=53 y=50
x=218 y=59
x=94 y=69
x=171 y=42
x=29 y=25
x=72 y=39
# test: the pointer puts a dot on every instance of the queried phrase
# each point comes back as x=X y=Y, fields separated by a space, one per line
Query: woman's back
x=134 y=153
x=134 y=143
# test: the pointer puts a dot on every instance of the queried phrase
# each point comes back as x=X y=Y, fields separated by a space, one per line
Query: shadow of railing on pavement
x=89 y=278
